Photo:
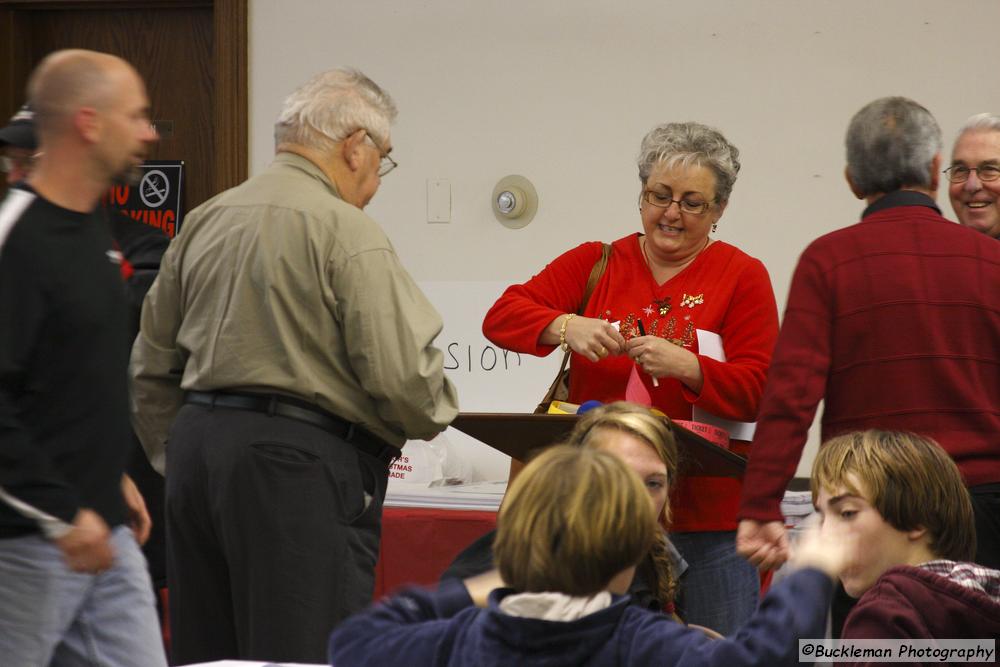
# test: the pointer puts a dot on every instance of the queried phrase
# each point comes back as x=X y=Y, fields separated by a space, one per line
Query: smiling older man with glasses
x=975 y=174
x=293 y=355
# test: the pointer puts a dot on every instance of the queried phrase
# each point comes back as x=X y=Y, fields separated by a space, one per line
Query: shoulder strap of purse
x=595 y=274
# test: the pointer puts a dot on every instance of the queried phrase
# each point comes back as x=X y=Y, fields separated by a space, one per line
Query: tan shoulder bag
x=559 y=389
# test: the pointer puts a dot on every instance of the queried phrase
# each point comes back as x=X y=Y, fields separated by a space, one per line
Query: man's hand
x=138 y=515
x=765 y=545
x=87 y=546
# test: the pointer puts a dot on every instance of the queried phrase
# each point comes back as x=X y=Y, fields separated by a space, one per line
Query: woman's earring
x=715 y=226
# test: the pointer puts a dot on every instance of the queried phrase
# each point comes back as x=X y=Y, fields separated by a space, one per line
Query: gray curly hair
x=691 y=144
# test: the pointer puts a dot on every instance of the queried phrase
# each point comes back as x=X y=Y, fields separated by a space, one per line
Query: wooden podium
x=518 y=435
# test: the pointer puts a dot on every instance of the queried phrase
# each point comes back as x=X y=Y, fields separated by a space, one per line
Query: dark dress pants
x=273 y=530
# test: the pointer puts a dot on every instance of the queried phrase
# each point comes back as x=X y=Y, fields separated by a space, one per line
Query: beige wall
x=563 y=92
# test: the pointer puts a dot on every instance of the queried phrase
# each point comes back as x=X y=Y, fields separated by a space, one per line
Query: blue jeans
x=720 y=589
x=50 y=615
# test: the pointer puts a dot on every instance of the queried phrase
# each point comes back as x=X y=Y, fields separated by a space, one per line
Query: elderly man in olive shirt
x=293 y=355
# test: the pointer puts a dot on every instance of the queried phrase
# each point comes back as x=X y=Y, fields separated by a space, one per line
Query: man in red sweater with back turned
x=895 y=322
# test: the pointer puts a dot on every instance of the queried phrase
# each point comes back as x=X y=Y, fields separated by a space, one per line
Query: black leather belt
x=285 y=406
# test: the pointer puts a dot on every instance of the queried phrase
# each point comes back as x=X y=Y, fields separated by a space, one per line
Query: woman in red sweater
x=682 y=289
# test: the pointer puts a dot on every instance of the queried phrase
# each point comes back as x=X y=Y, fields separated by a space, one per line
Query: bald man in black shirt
x=75 y=588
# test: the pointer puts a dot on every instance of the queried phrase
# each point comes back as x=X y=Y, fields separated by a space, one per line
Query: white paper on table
x=710 y=345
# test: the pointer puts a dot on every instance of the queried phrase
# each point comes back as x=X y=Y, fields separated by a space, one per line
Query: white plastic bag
x=431 y=463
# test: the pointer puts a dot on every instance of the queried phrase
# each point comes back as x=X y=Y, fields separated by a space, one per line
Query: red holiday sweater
x=895 y=323
x=733 y=298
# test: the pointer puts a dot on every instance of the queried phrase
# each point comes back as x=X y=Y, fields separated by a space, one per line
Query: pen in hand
x=642 y=332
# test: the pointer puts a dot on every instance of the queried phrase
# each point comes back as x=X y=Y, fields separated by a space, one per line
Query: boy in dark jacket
x=573 y=526
x=903 y=499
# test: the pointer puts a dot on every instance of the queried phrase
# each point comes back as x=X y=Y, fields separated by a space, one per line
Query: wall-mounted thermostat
x=514 y=201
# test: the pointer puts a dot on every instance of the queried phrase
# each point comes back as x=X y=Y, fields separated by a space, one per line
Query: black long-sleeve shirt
x=64 y=429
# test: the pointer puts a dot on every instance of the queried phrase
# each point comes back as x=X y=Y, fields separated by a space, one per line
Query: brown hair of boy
x=571 y=521
x=909 y=479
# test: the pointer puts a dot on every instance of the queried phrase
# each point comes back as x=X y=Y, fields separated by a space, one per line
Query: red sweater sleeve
x=795 y=385
x=732 y=389
x=523 y=311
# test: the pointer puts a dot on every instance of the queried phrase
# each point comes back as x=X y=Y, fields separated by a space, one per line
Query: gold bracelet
x=563 y=345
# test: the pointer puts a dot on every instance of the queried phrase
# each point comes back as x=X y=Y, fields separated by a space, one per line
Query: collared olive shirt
x=280 y=286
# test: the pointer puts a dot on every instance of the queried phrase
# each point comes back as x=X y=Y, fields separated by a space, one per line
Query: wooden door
x=191 y=53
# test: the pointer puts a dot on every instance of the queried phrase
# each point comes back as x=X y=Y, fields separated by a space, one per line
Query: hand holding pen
x=638 y=358
x=662 y=358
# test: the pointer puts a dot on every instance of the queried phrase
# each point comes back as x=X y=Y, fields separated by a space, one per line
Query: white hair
x=330 y=106
x=981 y=122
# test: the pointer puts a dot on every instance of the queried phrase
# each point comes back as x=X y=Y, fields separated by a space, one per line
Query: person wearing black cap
x=19 y=144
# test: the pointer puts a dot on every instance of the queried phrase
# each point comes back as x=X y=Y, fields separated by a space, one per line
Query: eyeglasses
x=386 y=164
x=959 y=173
x=686 y=206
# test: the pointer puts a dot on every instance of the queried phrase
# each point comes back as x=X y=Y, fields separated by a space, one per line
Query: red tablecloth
x=418 y=544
